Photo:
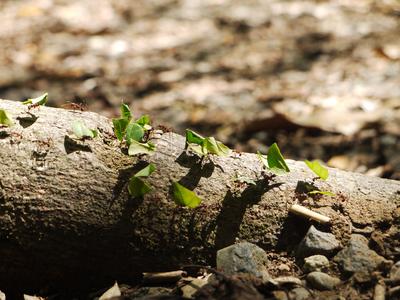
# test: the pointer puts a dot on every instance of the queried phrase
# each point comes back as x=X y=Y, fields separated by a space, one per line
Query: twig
x=163 y=277
x=307 y=213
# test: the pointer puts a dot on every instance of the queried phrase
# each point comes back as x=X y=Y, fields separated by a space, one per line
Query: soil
x=320 y=78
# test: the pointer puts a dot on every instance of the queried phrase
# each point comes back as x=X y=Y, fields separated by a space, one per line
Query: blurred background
x=321 y=78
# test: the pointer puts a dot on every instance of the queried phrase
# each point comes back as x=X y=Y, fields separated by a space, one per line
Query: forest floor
x=321 y=78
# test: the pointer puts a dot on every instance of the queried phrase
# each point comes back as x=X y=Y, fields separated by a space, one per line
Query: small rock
x=283 y=268
x=395 y=272
x=300 y=293
x=243 y=258
x=280 y=295
x=362 y=277
x=286 y=281
x=322 y=281
x=193 y=286
x=356 y=257
x=317 y=242
x=315 y=263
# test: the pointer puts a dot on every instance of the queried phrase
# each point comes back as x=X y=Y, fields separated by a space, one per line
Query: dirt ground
x=321 y=78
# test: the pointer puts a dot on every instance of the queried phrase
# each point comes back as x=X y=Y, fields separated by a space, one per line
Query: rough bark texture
x=66 y=217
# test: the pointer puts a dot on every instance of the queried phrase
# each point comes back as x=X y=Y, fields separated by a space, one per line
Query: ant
x=74 y=106
x=33 y=106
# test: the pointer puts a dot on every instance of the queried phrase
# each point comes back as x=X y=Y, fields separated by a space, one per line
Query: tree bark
x=67 y=219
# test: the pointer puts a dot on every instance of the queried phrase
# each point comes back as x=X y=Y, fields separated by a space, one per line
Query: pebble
x=243 y=258
x=280 y=295
x=322 y=281
x=317 y=242
x=356 y=257
x=193 y=286
x=395 y=272
x=300 y=293
x=283 y=268
x=315 y=263
x=286 y=281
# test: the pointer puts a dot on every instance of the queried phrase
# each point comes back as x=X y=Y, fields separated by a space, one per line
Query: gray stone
x=300 y=293
x=322 y=281
x=395 y=272
x=356 y=257
x=315 y=263
x=280 y=295
x=243 y=258
x=317 y=242
x=285 y=281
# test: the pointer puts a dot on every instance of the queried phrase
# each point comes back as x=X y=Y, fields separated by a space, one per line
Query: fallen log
x=67 y=218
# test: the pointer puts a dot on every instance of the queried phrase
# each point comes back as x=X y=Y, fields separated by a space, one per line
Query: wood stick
x=308 y=213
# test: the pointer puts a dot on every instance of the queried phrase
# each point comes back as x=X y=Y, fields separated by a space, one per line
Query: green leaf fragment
x=210 y=145
x=120 y=126
x=5 y=118
x=146 y=172
x=144 y=121
x=198 y=149
x=125 y=112
x=322 y=193
x=318 y=169
x=80 y=130
x=184 y=196
x=203 y=146
x=41 y=100
x=223 y=149
x=137 y=187
x=140 y=148
x=276 y=162
x=193 y=137
x=133 y=132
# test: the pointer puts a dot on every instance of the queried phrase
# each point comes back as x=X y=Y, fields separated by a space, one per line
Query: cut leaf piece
x=203 y=146
x=193 y=137
x=80 y=130
x=125 y=112
x=276 y=162
x=41 y=100
x=144 y=121
x=184 y=196
x=223 y=149
x=318 y=169
x=140 y=148
x=210 y=145
x=322 y=193
x=146 y=171
x=133 y=132
x=5 y=118
x=137 y=187
x=120 y=126
x=198 y=149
